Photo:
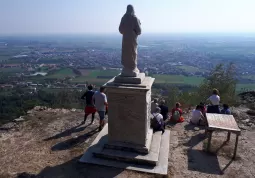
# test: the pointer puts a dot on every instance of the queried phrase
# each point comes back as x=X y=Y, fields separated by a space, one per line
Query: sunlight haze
x=103 y=16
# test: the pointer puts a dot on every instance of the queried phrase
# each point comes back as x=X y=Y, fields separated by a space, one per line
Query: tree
x=222 y=78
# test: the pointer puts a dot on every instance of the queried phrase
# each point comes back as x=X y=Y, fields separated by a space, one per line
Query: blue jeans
x=101 y=115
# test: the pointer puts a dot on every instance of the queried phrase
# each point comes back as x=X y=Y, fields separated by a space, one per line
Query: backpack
x=176 y=116
x=154 y=122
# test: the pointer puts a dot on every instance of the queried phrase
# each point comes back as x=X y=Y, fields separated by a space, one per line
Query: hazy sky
x=103 y=16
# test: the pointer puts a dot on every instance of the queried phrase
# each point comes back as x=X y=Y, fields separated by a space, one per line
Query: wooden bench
x=222 y=122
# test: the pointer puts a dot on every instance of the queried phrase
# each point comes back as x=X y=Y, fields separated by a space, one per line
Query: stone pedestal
x=129 y=113
x=127 y=141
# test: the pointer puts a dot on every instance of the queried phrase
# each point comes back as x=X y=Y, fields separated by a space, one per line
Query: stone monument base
x=130 y=80
x=156 y=161
x=142 y=149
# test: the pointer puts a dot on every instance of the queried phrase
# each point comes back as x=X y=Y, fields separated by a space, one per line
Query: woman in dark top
x=90 y=108
x=164 y=109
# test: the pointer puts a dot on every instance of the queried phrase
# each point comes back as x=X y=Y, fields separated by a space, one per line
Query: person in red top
x=177 y=114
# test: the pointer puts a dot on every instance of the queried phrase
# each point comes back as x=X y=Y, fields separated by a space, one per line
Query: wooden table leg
x=209 y=141
x=237 y=136
x=229 y=133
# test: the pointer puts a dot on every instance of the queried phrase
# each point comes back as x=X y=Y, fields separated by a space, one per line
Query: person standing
x=100 y=101
x=89 y=108
x=214 y=101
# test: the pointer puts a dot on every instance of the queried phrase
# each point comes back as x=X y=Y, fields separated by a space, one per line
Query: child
x=177 y=113
x=225 y=109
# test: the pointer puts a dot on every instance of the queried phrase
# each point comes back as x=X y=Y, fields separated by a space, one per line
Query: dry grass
x=49 y=145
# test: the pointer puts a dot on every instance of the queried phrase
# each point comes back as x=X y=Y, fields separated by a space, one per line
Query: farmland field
x=178 y=79
x=191 y=69
x=62 y=73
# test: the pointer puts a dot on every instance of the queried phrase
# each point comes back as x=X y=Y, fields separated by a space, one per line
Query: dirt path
x=50 y=142
x=188 y=158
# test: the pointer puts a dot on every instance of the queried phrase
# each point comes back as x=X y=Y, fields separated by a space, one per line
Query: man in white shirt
x=197 y=116
x=100 y=101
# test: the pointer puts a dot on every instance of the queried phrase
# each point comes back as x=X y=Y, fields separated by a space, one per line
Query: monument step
x=132 y=147
x=133 y=157
x=98 y=144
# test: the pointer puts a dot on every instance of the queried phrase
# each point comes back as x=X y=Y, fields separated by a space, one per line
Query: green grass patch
x=62 y=73
x=96 y=73
x=251 y=77
x=94 y=76
x=178 y=79
x=191 y=69
x=244 y=87
x=12 y=70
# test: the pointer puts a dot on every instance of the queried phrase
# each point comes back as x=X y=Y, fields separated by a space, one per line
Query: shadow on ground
x=67 y=132
x=70 y=143
x=191 y=127
x=195 y=140
x=203 y=162
x=74 y=169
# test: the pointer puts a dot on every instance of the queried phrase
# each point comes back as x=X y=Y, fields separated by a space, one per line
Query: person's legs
x=85 y=118
x=101 y=116
x=85 y=115
x=93 y=117
x=181 y=119
x=162 y=128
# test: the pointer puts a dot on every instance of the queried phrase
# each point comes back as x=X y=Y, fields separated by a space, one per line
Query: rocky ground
x=48 y=143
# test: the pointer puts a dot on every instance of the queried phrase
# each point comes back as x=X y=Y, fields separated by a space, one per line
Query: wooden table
x=222 y=122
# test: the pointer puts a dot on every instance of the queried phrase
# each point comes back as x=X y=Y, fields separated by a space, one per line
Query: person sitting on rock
x=197 y=116
x=154 y=104
x=203 y=108
x=164 y=110
x=225 y=109
x=89 y=108
x=215 y=102
x=177 y=113
x=157 y=122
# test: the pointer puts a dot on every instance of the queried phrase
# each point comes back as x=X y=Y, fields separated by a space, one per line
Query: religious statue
x=130 y=29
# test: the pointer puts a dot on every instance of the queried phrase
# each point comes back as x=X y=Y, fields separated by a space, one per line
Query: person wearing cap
x=158 y=123
x=177 y=113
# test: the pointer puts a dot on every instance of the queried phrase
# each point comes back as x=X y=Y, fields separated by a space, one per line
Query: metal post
x=234 y=157
x=209 y=140
x=229 y=133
